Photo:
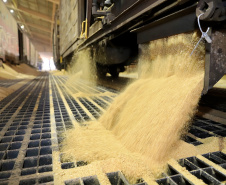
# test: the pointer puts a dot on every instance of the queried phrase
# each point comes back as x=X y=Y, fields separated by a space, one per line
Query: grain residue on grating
x=145 y=123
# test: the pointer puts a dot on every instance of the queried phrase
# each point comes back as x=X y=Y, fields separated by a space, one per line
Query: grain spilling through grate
x=82 y=67
x=153 y=112
x=143 y=127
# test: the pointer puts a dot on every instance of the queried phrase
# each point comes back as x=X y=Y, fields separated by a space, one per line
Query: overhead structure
x=36 y=19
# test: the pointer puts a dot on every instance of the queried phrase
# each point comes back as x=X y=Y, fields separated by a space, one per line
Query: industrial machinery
x=114 y=29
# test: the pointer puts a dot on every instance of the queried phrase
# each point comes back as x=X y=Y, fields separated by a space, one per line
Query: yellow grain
x=142 y=129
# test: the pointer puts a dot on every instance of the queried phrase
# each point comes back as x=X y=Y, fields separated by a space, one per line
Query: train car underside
x=115 y=30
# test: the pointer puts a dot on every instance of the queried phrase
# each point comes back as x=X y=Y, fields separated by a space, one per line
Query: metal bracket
x=215 y=60
x=212 y=10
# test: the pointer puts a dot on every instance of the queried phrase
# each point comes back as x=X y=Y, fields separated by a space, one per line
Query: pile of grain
x=145 y=123
x=25 y=69
x=17 y=71
x=12 y=72
x=8 y=73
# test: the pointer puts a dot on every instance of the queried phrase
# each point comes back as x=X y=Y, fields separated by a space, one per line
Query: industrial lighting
x=22 y=27
x=107 y=2
x=4 y=1
x=11 y=11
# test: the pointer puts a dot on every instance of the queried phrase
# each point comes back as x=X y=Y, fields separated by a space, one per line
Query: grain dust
x=82 y=67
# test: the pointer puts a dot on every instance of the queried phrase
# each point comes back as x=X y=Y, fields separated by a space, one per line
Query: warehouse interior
x=113 y=92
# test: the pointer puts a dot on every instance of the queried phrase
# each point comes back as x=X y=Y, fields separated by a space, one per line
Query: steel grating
x=8 y=83
x=194 y=165
x=199 y=168
x=79 y=114
x=100 y=102
x=25 y=140
x=63 y=121
x=94 y=110
x=29 y=135
x=203 y=128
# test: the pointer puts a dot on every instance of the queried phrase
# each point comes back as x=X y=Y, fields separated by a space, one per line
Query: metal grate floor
x=33 y=121
x=25 y=146
x=199 y=168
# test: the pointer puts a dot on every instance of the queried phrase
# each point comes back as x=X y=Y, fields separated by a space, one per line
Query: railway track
x=35 y=117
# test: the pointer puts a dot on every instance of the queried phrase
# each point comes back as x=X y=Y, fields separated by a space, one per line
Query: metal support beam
x=42 y=36
x=37 y=15
x=34 y=26
x=38 y=27
x=88 y=15
x=53 y=14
